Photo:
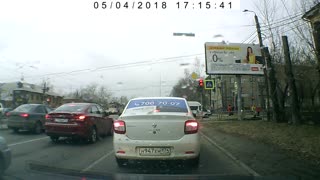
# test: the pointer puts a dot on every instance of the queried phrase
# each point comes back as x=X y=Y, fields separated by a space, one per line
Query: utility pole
x=44 y=90
x=277 y=112
x=160 y=85
x=265 y=71
x=295 y=109
x=210 y=103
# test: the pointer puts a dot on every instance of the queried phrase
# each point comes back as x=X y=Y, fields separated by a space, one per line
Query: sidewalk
x=263 y=158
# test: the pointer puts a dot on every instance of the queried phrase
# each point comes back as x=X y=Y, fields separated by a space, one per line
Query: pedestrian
x=258 y=109
x=229 y=109
x=253 y=109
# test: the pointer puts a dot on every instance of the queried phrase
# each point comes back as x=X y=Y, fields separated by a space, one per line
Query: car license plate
x=155 y=151
x=61 y=120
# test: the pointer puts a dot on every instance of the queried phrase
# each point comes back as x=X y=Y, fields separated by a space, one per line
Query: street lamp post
x=263 y=55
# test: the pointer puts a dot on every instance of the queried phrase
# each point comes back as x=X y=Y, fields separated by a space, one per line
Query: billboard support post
x=239 y=97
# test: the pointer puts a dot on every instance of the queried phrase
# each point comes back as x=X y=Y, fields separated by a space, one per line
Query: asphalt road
x=36 y=157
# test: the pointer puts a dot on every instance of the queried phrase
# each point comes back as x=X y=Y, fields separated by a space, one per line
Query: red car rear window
x=71 y=108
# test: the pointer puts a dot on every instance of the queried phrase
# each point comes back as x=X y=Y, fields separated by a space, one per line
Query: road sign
x=194 y=75
x=209 y=84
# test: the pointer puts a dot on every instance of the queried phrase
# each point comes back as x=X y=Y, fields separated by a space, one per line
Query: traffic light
x=201 y=83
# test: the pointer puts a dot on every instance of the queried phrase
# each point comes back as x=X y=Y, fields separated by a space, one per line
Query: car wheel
x=194 y=162
x=37 y=129
x=93 y=135
x=121 y=162
x=54 y=139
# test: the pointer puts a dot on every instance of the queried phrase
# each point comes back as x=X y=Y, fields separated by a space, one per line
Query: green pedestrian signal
x=209 y=84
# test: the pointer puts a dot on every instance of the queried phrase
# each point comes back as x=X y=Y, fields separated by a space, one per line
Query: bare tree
x=92 y=93
x=279 y=18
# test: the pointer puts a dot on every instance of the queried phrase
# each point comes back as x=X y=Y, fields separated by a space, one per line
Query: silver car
x=5 y=155
x=156 y=129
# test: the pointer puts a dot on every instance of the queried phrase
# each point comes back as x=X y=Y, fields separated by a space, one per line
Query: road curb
x=236 y=160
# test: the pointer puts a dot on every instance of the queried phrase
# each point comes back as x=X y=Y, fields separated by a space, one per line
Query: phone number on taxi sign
x=170 y=4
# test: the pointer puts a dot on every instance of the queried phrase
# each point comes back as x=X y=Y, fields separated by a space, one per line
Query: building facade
x=313 y=17
x=17 y=93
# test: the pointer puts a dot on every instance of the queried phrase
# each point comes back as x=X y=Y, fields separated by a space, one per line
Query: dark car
x=78 y=120
x=28 y=117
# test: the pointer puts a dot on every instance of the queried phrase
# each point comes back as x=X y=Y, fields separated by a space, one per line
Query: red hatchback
x=80 y=120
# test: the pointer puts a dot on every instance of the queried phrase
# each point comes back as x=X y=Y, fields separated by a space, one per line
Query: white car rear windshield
x=147 y=106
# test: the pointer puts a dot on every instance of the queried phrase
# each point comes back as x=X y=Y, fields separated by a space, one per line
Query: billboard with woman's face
x=233 y=58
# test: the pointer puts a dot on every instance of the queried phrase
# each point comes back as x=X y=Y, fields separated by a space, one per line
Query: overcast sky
x=39 y=38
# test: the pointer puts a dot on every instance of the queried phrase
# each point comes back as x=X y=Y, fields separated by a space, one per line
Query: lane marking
x=24 y=142
x=240 y=163
x=97 y=161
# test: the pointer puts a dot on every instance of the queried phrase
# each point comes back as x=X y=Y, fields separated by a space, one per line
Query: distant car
x=156 y=129
x=206 y=113
x=78 y=120
x=196 y=108
x=5 y=156
x=28 y=117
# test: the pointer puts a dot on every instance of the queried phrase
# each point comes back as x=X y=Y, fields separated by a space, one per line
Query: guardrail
x=246 y=114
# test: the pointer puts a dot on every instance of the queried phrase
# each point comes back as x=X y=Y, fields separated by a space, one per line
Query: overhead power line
x=284 y=24
x=282 y=20
x=117 y=66
x=252 y=39
x=287 y=30
x=249 y=36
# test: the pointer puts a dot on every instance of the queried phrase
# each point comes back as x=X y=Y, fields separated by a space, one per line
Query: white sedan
x=156 y=129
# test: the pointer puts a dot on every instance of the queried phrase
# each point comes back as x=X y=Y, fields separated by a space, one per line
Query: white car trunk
x=159 y=126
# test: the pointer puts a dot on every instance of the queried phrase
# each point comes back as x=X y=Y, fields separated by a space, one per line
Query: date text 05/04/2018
x=153 y=5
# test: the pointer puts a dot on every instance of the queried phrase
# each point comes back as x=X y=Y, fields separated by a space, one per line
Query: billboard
x=233 y=58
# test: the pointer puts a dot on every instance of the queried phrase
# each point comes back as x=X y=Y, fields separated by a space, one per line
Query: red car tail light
x=121 y=152
x=81 y=118
x=119 y=127
x=78 y=118
x=191 y=127
x=48 y=117
x=25 y=115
